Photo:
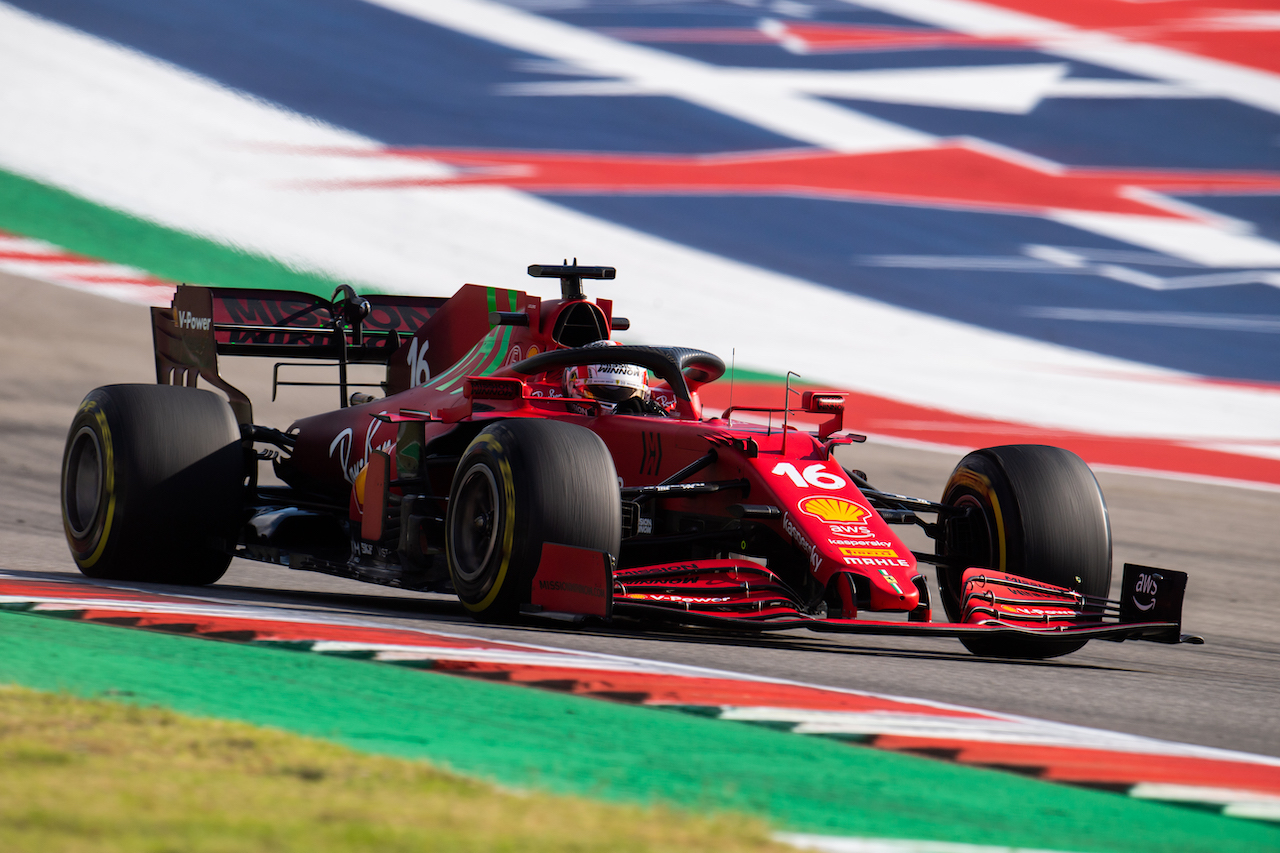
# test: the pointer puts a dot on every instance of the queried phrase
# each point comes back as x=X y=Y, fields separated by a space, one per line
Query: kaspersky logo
x=833 y=510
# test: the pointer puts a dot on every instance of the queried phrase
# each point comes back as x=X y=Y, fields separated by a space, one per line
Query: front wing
x=739 y=595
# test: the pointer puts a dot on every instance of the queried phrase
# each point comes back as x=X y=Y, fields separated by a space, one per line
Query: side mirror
x=825 y=403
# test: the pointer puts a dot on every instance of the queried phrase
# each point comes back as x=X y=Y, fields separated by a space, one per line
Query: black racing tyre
x=521 y=483
x=1041 y=515
x=152 y=484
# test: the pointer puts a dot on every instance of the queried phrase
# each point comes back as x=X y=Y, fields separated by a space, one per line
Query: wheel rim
x=473 y=528
x=983 y=552
x=82 y=491
x=978 y=550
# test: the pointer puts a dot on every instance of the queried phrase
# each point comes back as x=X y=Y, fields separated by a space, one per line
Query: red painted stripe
x=815 y=37
x=1079 y=766
x=897 y=419
x=831 y=38
x=1053 y=763
x=1200 y=27
x=950 y=174
x=265 y=629
x=57 y=255
x=661 y=689
x=142 y=280
x=51 y=257
x=43 y=590
x=269 y=630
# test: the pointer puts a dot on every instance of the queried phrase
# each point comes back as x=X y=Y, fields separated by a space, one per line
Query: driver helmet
x=607 y=383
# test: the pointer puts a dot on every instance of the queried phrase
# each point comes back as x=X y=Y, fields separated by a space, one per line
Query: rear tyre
x=519 y=484
x=152 y=484
x=1040 y=515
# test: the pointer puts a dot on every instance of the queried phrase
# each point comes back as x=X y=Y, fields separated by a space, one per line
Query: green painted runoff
x=522 y=737
x=32 y=209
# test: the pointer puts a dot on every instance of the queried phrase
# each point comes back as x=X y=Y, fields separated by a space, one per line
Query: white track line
x=846 y=844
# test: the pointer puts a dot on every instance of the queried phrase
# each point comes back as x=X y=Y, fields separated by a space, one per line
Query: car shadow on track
x=798 y=643
x=538 y=630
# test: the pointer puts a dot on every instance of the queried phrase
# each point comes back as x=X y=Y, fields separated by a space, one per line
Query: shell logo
x=833 y=510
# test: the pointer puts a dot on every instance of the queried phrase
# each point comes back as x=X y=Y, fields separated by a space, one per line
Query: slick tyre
x=1039 y=514
x=521 y=483
x=152 y=484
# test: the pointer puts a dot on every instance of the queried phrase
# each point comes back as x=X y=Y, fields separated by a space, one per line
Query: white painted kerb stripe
x=845 y=844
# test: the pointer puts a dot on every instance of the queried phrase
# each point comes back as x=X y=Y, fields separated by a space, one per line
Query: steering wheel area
x=682 y=368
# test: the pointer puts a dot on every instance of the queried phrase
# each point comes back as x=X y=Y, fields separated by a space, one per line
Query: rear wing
x=206 y=322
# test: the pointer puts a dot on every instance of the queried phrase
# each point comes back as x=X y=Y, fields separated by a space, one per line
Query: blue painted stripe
x=390 y=77
x=836 y=244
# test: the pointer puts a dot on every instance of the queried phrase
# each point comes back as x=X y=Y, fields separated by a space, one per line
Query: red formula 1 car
x=525 y=462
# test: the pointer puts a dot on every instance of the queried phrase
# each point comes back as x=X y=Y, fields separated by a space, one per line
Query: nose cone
x=891 y=592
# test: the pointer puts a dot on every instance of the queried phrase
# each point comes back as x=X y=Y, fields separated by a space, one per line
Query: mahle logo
x=833 y=510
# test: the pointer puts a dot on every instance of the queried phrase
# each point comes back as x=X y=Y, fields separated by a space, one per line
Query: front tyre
x=1038 y=513
x=152 y=481
x=522 y=483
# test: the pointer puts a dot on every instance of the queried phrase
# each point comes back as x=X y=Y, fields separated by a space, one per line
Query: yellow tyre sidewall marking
x=108 y=485
x=509 y=530
x=971 y=479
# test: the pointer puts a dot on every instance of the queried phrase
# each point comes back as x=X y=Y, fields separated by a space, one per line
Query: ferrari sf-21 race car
x=521 y=459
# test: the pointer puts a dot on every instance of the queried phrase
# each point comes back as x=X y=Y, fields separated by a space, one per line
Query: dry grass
x=94 y=775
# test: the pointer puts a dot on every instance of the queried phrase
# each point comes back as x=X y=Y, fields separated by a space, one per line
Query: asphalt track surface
x=57 y=344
